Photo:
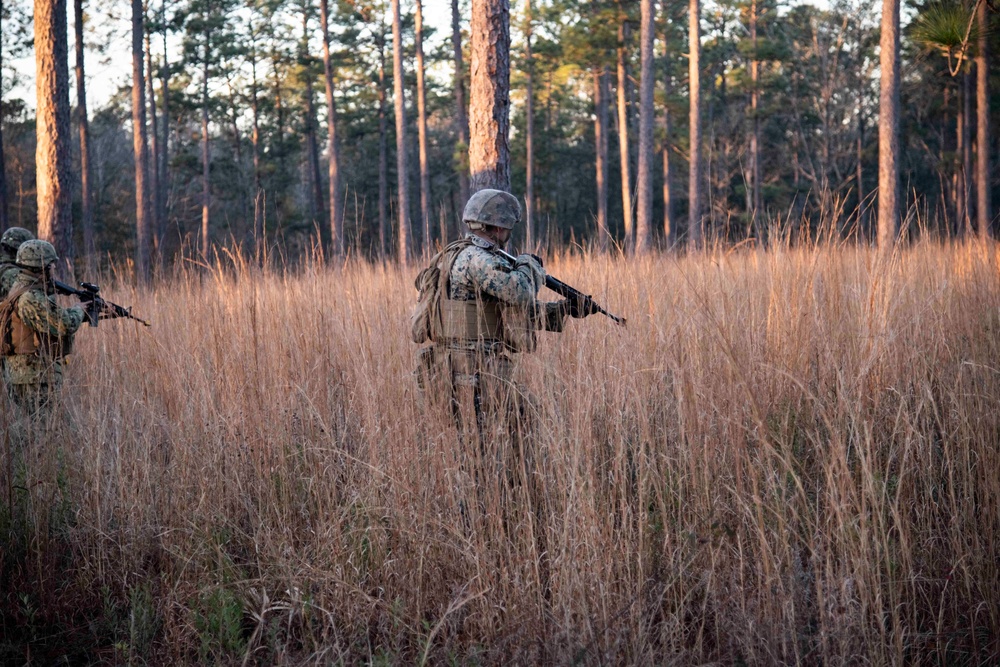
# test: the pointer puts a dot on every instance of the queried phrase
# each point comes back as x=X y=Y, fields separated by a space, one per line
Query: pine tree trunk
x=140 y=146
x=258 y=192
x=755 y=170
x=623 y=147
x=403 y=198
x=859 y=166
x=312 y=142
x=668 y=133
x=383 y=159
x=696 y=226
x=425 y=177
x=205 y=192
x=984 y=213
x=154 y=147
x=161 y=231
x=83 y=125
x=888 y=127
x=52 y=129
x=461 y=120
x=529 y=136
x=489 y=111
x=644 y=219
x=332 y=146
x=601 y=150
x=965 y=181
x=4 y=223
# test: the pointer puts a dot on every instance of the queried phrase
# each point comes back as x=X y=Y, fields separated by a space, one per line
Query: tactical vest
x=440 y=319
x=15 y=336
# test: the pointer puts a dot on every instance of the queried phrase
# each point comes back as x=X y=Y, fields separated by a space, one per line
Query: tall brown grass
x=789 y=456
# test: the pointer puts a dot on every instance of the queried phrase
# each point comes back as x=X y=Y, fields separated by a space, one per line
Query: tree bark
x=888 y=127
x=623 y=147
x=140 y=146
x=403 y=199
x=205 y=191
x=4 y=222
x=668 y=131
x=696 y=227
x=755 y=170
x=461 y=120
x=312 y=143
x=52 y=129
x=489 y=112
x=644 y=219
x=529 y=190
x=258 y=191
x=965 y=140
x=601 y=149
x=425 y=177
x=161 y=230
x=83 y=125
x=154 y=155
x=984 y=213
x=383 y=160
x=332 y=148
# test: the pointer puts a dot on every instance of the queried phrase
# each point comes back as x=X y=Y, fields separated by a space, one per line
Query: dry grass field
x=787 y=457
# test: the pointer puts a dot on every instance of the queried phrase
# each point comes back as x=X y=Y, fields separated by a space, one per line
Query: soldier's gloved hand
x=534 y=266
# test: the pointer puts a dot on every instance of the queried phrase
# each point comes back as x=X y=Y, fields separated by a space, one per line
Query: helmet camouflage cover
x=36 y=254
x=494 y=208
x=14 y=237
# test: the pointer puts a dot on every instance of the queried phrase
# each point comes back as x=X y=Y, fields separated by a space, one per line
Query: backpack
x=7 y=308
x=425 y=322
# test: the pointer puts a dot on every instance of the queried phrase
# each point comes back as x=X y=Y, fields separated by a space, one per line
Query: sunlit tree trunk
x=668 y=133
x=696 y=228
x=623 y=147
x=984 y=213
x=205 y=192
x=461 y=120
x=601 y=149
x=52 y=129
x=140 y=145
x=529 y=136
x=489 y=111
x=888 y=127
x=403 y=199
x=644 y=219
x=755 y=170
x=83 y=127
x=312 y=142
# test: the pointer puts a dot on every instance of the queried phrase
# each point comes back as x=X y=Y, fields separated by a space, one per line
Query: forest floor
x=786 y=457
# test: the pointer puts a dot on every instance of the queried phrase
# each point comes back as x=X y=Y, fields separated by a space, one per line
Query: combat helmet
x=36 y=254
x=13 y=238
x=494 y=208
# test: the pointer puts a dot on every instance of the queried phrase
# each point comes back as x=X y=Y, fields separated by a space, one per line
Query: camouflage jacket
x=50 y=322
x=479 y=273
x=8 y=272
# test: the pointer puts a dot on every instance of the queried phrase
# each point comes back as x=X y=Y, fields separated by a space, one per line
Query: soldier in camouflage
x=9 y=243
x=39 y=333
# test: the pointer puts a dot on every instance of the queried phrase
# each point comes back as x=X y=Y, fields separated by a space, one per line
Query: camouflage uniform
x=9 y=243
x=42 y=333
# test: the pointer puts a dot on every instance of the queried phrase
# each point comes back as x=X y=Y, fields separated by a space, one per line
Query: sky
x=111 y=70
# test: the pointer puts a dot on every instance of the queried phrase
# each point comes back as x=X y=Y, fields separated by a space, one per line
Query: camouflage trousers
x=496 y=418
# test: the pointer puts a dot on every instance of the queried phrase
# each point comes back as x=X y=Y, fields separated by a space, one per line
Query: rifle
x=586 y=303
x=96 y=307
